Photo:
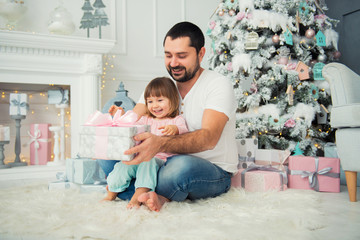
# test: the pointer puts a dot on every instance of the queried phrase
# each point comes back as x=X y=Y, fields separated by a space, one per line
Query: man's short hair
x=187 y=29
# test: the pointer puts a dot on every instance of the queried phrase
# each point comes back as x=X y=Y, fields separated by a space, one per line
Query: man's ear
x=201 y=53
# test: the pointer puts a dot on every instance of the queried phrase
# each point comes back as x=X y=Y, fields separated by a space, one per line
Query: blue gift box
x=330 y=150
x=18 y=104
x=59 y=96
x=84 y=171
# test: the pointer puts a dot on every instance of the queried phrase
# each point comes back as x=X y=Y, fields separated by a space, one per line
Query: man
x=208 y=105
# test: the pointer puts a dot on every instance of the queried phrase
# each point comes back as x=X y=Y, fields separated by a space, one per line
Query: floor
x=343 y=224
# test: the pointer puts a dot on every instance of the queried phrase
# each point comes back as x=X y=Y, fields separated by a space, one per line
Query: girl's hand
x=113 y=109
x=170 y=130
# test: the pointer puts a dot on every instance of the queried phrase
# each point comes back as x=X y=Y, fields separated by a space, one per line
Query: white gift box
x=4 y=133
x=63 y=185
x=246 y=148
x=84 y=171
x=18 y=104
x=271 y=156
x=108 y=143
x=59 y=96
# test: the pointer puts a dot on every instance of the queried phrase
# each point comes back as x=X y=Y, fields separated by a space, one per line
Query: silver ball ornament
x=337 y=54
x=310 y=33
x=276 y=38
x=321 y=58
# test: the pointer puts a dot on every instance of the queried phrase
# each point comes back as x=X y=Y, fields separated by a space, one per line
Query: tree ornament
x=252 y=41
x=320 y=39
x=303 y=70
x=288 y=37
x=322 y=58
x=298 y=151
x=232 y=12
x=290 y=93
x=275 y=39
x=87 y=21
x=317 y=71
x=337 y=54
x=310 y=33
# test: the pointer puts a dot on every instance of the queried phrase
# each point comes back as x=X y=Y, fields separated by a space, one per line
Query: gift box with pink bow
x=106 y=137
x=317 y=173
x=40 y=144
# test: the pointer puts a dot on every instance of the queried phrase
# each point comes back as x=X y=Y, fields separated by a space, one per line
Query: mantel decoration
x=90 y=20
x=12 y=11
x=18 y=110
x=60 y=21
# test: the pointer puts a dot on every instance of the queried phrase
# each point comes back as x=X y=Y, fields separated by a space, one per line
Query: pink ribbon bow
x=105 y=119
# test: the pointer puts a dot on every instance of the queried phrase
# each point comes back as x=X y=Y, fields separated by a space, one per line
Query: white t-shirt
x=212 y=91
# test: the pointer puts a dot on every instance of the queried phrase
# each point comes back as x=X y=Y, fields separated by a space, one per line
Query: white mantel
x=61 y=60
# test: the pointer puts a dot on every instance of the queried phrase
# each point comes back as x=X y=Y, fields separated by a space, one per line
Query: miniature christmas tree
x=100 y=16
x=273 y=51
x=87 y=21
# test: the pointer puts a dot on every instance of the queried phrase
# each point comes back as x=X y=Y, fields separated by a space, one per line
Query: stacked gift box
x=40 y=144
x=276 y=170
x=83 y=174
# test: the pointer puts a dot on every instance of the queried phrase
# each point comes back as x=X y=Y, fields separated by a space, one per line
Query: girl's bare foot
x=153 y=201
x=134 y=200
x=111 y=196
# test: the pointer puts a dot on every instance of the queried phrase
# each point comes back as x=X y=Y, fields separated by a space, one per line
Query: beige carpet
x=34 y=212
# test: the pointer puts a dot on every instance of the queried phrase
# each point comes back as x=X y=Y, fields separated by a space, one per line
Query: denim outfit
x=182 y=177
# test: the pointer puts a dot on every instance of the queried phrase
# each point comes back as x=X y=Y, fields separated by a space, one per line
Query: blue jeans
x=184 y=177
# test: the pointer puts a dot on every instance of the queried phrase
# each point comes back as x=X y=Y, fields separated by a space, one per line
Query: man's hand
x=146 y=150
x=169 y=130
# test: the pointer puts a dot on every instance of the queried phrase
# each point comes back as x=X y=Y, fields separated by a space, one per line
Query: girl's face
x=158 y=106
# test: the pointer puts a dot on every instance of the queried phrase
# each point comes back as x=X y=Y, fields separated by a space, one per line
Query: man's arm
x=206 y=138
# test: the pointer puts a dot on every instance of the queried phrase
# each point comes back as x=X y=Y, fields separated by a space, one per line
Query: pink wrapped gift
x=318 y=173
x=40 y=144
x=260 y=179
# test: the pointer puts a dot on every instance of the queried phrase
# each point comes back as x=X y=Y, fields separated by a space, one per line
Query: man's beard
x=187 y=76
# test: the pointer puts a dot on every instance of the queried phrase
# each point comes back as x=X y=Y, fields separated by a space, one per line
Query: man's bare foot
x=153 y=201
x=111 y=196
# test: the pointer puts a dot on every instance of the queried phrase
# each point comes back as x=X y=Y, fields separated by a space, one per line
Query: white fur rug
x=33 y=212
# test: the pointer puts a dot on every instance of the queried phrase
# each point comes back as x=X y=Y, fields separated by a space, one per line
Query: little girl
x=162 y=102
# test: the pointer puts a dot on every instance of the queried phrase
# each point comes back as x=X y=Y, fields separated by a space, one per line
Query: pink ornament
x=231 y=12
x=337 y=54
x=291 y=66
x=240 y=16
x=212 y=25
x=276 y=38
x=290 y=123
x=229 y=66
x=283 y=60
x=310 y=33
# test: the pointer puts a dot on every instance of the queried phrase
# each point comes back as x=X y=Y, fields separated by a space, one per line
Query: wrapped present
x=62 y=185
x=4 y=133
x=100 y=188
x=84 y=171
x=18 y=104
x=318 y=173
x=246 y=151
x=272 y=157
x=260 y=179
x=59 y=96
x=104 y=137
x=330 y=150
x=40 y=144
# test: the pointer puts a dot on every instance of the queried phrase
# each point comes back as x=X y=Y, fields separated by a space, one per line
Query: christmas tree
x=100 y=16
x=273 y=51
x=87 y=21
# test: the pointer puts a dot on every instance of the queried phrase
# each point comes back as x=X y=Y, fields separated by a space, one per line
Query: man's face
x=181 y=60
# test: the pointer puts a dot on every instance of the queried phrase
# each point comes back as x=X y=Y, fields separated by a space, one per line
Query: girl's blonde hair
x=163 y=86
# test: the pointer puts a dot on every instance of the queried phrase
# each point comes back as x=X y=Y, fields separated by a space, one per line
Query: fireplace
x=38 y=59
